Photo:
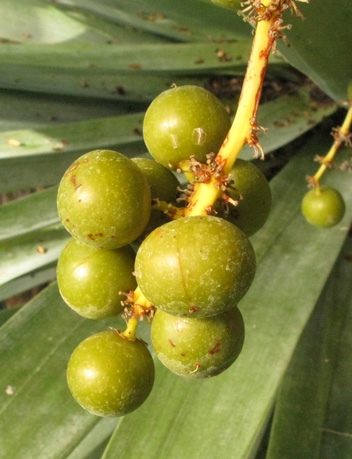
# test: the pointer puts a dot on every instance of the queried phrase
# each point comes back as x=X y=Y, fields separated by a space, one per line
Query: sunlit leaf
x=33 y=278
x=23 y=254
x=35 y=157
x=41 y=22
x=182 y=20
x=28 y=213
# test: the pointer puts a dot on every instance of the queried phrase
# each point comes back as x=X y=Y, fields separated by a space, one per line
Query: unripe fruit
x=198 y=348
x=183 y=122
x=163 y=186
x=163 y=183
x=252 y=191
x=90 y=279
x=323 y=207
x=104 y=200
x=109 y=375
x=195 y=266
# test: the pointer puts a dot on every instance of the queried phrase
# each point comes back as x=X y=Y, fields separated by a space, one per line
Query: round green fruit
x=104 y=200
x=163 y=183
x=90 y=280
x=109 y=375
x=163 y=186
x=323 y=207
x=252 y=192
x=182 y=122
x=195 y=266
x=198 y=348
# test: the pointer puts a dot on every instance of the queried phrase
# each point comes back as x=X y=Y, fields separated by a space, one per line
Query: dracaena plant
x=174 y=238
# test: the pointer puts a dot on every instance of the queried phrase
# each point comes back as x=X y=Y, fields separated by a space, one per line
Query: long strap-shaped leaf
x=303 y=403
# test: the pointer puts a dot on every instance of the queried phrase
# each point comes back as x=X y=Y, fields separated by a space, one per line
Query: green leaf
x=6 y=314
x=23 y=110
x=43 y=155
x=87 y=59
x=28 y=214
x=303 y=398
x=34 y=278
x=137 y=88
x=337 y=428
x=40 y=22
x=320 y=46
x=124 y=72
x=94 y=444
x=181 y=20
x=23 y=254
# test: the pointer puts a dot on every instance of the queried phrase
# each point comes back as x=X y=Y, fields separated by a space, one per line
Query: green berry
x=90 y=280
x=252 y=192
x=323 y=207
x=195 y=266
x=163 y=183
x=198 y=348
x=104 y=200
x=109 y=375
x=183 y=122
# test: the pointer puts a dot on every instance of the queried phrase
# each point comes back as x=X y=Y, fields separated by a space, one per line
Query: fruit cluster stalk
x=341 y=134
x=245 y=127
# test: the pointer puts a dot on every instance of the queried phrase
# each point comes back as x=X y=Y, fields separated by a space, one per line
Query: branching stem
x=341 y=135
x=244 y=128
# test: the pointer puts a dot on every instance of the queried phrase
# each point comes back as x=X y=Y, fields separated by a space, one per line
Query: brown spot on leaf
x=135 y=66
x=222 y=56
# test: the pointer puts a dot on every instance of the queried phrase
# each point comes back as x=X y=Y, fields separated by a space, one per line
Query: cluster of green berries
x=194 y=270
